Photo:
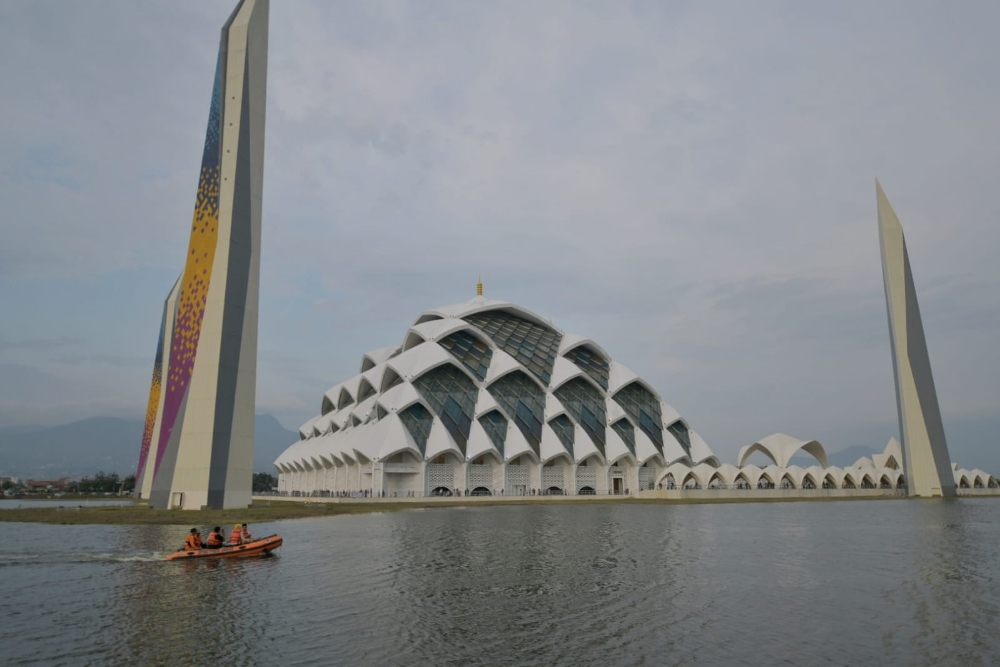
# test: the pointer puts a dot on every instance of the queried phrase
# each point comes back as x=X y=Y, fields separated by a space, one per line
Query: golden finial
x=479 y=286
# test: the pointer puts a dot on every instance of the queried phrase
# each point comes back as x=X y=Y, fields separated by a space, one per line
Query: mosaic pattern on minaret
x=197 y=271
x=154 y=402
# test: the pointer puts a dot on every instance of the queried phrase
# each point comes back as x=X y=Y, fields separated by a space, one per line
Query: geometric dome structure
x=485 y=397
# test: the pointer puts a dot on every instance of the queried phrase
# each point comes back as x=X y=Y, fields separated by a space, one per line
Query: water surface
x=839 y=583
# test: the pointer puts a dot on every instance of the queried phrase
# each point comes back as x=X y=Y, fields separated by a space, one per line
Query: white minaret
x=926 y=461
x=206 y=424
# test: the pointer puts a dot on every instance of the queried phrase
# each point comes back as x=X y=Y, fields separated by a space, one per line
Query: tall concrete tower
x=204 y=452
x=925 y=451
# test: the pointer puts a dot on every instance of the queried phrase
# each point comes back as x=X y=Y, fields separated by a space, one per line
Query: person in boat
x=193 y=540
x=236 y=537
x=215 y=539
x=246 y=534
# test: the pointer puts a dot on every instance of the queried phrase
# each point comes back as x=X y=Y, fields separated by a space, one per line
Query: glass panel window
x=418 y=421
x=452 y=397
x=595 y=365
x=472 y=352
x=533 y=345
x=626 y=432
x=585 y=405
x=565 y=430
x=524 y=401
x=680 y=431
x=495 y=425
x=643 y=408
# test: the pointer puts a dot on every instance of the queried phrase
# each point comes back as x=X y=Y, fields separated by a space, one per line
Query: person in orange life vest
x=193 y=541
x=236 y=537
x=215 y=539
x=246 y=534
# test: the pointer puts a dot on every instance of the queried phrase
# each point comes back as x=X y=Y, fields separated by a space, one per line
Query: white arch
x=780 y=448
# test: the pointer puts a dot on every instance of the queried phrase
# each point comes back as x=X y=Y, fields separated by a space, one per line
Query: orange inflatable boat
x=258 y=547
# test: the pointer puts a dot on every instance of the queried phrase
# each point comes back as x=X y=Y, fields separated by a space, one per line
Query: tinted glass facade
x=586 y=406
x=626 y=432
x=531 y=344
x=452 y=397
x=472 y=352
x=524 y=401
x=595 y=365
x=418 y=421
x=565 y=430
x=643 y=409
x=495 y=425
x=679 y=431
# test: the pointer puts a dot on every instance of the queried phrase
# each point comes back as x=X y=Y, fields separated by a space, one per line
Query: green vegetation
x=264 y=482
x=102 y=483
x=259 y=512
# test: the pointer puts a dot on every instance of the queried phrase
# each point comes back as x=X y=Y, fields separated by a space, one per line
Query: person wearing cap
x=193 y=540
x=215 y=539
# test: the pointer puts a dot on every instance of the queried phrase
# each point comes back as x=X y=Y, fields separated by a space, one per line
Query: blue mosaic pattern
x=533 y=345
x=524 y=401
x=592 y=363
x=472 y=352
x=586 y=406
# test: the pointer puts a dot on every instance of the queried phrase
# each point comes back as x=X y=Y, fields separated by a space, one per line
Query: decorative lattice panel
x=480 y=475
x=586 y=476
x=552 y=476
x=647 y=478
x=440 y=474
x=518 y=476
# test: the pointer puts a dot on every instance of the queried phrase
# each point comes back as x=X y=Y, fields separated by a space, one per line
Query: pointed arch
x=808 y=482
x=365 y=390
x=691 y=481
x=413 y=339
x=742 y=482
x=717 y=481
x=829 y=482
x=849 y=482
x=327 y=407
x=344 y=399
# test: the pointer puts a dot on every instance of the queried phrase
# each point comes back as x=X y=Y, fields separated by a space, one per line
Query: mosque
x=486 y=398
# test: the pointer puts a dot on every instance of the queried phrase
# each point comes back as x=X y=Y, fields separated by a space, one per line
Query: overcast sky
x=690 y=184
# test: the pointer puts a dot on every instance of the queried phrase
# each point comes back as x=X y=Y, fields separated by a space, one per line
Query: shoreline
x=264 y=510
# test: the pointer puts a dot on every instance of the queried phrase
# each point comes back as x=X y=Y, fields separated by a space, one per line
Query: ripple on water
x=811 y=583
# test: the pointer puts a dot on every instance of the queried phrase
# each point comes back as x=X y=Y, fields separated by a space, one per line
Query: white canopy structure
x=780 y=448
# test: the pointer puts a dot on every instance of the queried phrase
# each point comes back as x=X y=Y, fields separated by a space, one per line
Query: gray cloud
x=689 y=185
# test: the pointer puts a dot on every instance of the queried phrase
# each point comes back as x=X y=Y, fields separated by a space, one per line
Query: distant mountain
x=109 y=444
x=270 y=439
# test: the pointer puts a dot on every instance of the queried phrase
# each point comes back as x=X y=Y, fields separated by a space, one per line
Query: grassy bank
x=142 y=515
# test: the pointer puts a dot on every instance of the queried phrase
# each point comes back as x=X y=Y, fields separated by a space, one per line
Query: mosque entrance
x=618 y=485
